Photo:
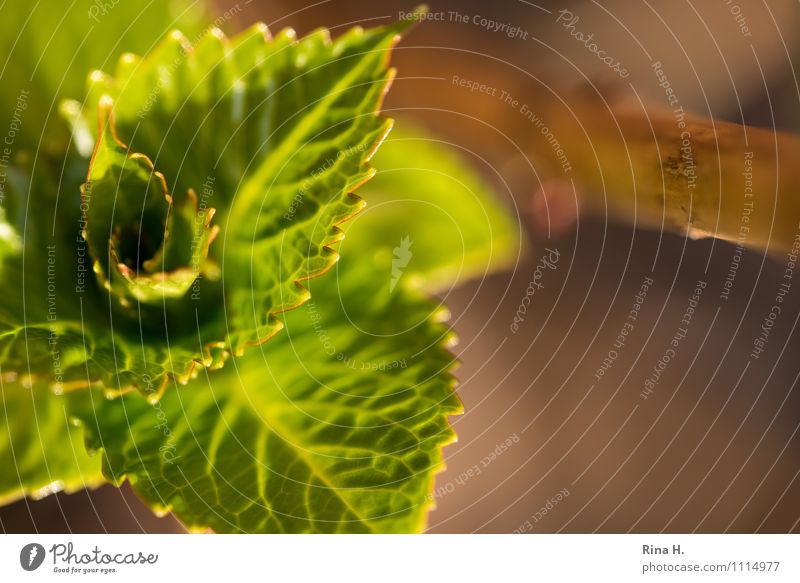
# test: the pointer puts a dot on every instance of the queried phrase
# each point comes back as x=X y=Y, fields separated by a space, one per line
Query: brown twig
x=670 y=170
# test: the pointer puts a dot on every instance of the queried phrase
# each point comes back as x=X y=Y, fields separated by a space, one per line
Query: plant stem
x=670 y=170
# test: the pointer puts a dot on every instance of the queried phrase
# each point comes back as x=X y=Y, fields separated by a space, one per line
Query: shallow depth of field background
x=710 y=450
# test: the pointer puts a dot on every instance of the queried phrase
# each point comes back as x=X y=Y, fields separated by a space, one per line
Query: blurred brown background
x=715 y=447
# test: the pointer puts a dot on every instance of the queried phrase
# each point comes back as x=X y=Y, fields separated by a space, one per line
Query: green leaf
x=432 y=221
x=40 y=450
x=336 y=427
x=48 y=46
x=10 y=244
x=279 y=130
x=274 y=133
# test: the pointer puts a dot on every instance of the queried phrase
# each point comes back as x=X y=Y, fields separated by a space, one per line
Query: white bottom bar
x=401 y=559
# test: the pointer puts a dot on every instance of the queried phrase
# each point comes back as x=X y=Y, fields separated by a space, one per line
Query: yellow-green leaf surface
x=10 y=244
x=337 y=426
x=41 y=451
x=432 y=221
x=48 y=46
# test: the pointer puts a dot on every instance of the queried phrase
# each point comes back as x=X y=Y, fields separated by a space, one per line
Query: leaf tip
x=411 y=18
x=180 y=39
x=97 y=76
x=262 y=28
x=128 y=58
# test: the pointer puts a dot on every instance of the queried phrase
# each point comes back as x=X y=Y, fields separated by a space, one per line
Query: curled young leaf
x=148 y=245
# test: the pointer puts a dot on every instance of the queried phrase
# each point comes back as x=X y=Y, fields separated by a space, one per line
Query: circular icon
x=31 y=556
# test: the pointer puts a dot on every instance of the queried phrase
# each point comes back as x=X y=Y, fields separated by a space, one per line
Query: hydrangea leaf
x=10 y=243
x=337 y=426
x=280 y=131
x=273 y=132
x=424 y=177
x=41 y=451
x=48 y=46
